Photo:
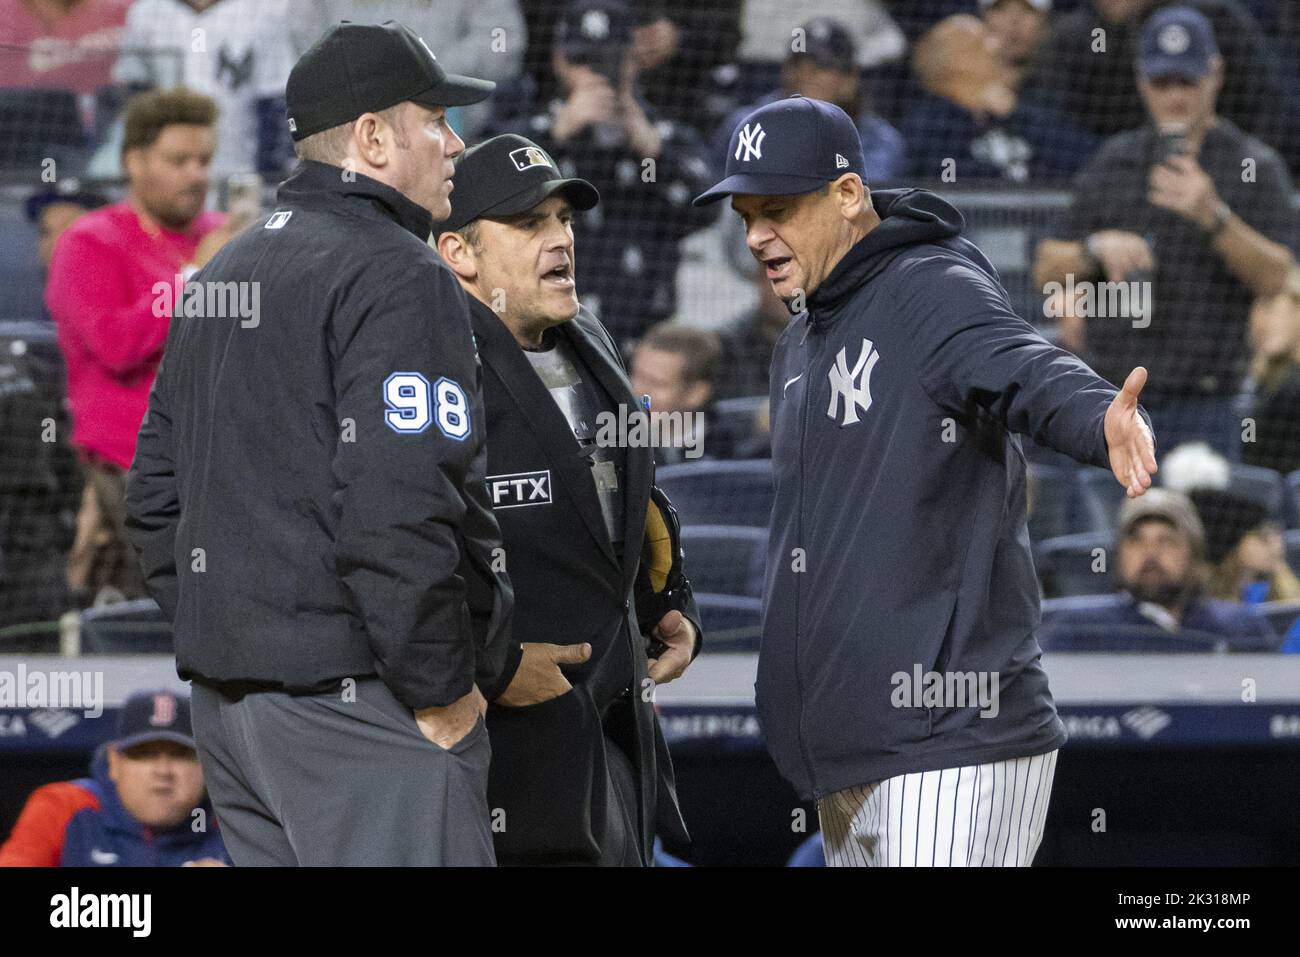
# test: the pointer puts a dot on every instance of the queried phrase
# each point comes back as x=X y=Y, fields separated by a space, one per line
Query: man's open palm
x=1130 y=443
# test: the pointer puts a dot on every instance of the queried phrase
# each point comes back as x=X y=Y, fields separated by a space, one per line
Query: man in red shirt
x=101 y=294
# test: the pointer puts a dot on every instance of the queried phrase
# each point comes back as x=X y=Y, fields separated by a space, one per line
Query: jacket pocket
x=547 y=786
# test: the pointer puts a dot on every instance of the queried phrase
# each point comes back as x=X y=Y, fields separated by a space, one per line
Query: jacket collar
x=313 y=182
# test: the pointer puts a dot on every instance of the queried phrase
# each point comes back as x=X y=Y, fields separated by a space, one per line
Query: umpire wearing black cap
x=579 y=764
x=308 y=494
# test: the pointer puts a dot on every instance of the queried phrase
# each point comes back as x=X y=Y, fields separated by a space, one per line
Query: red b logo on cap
x=164 y=710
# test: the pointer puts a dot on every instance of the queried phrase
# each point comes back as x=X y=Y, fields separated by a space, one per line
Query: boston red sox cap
x=793 y=145
x=154 y=716
x=360 y=68
x=506 y=175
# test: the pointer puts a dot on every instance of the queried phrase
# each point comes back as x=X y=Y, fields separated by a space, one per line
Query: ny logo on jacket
x=853 y=386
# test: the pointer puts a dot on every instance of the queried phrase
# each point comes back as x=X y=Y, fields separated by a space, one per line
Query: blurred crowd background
x=1147 y=144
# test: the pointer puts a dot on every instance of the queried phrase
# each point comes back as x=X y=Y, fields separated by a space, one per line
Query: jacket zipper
x=798 y=603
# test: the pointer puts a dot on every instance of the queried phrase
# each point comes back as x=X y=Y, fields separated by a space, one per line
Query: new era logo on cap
x=751 y=142
x=841 y=162
x=527 y=156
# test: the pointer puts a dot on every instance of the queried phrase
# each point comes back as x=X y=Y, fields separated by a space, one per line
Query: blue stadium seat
x=1291 y=541
x=129 y=627
x=1293 y=488
x=1263 y=485
x=730 y=622
x=1105 y=494
x=720 y=493
x=736 y=419
x=1063 y=503
x=725 y=559
x=1281 y=615
x=1065 y=564
x=1153 y=640
x=20 y=267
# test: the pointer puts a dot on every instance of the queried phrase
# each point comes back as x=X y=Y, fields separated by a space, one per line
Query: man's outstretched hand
x=1129 y=441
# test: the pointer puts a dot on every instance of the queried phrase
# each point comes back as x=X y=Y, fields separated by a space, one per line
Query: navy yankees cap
x=1176 y=41
x=506 y=175
x=154 y=716
x=794 y=145
x=828 y=43
x=360 y=68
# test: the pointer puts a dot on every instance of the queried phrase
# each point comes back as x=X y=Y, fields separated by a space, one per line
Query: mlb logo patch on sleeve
x=519 y=489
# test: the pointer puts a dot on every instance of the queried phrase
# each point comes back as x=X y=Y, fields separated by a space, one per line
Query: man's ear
x=114 y=764
x=1216 y=72
x=699 y=394
x=370 y=139
x=131 y=162
x=853 y=195
x=458 y=255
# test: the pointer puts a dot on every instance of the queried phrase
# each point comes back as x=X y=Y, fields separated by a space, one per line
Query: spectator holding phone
x=1194 y=216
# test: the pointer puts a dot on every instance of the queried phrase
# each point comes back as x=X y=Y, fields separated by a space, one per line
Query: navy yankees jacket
x=898 y=531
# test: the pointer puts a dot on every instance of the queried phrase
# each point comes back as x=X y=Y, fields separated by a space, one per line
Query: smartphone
x=1172 y=142
x=243 y=193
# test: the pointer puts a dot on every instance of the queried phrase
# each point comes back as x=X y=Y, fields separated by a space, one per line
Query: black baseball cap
x=828 y=43
x=154 y=716
x=66 y=191
x=507 y=175
x=589 y=25
x=789 y=146
x=360 y=68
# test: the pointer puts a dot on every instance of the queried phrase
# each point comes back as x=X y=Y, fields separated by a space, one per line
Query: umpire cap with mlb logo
x=360 y=68
x=507 y=175
x=794 y=145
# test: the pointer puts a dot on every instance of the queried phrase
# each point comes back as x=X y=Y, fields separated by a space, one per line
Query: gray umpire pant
x=317 y=780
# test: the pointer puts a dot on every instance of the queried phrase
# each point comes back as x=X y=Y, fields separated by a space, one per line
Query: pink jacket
x=101 y=294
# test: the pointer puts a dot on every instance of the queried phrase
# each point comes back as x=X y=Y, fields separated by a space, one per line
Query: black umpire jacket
x=307 y=494
x=549 y=760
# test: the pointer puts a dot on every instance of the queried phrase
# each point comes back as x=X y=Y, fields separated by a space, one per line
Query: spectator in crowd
x=746 y=359
x=480 y=38
x=1244 y=549
x=52 y=211
x=143 y=806
x=822 y=64
x=767 y=27
x=973 y=118
x=61 y=44
x=1166 y=211
x=1160 y=566
x=236 y=51
x=1275 y=333
x=675 y=366
x=1089 y=74
x=112 y=321
x=646 y=170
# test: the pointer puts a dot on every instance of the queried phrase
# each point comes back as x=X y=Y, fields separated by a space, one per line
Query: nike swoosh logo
x=791 y=382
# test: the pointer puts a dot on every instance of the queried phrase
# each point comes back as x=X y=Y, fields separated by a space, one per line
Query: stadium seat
x=129 y=627
x=1065 y=564
x=1282 y=615
x=725 y=559
x=1293 y=488
x=1105 y=638
x=1263 y=485
x=730 y=622
x=1291 y=541
x=20 y=267
x=720 y=493
x=736 y=419
x=1104 y=494
x=1063 y=503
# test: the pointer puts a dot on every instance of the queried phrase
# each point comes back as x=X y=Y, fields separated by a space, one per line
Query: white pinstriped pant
x=986 y=815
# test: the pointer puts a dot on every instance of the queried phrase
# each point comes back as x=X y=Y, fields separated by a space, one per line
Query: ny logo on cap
x=1174 y=39
x=527 y=156
x=751 y=142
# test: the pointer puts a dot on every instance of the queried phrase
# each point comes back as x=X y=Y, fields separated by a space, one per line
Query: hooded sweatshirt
x=899 y=545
